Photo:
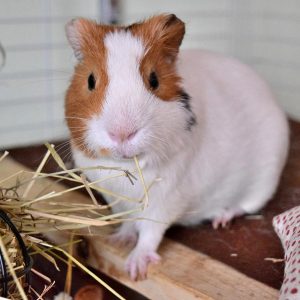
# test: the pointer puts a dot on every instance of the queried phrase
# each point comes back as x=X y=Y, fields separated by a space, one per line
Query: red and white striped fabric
x=287 y=226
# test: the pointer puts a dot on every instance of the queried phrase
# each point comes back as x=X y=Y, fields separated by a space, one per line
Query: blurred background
x=38 y=61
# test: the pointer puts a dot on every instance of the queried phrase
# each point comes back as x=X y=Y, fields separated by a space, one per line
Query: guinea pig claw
x=225 y=217
x=138 y=261
x=220 y=222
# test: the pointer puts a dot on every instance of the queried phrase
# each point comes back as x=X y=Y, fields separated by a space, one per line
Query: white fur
x=230 y=160
x=129 y=106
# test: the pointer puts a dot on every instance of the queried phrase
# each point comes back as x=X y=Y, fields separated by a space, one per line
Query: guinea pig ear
x=165 y=31
x=78 y=32
x=172 y=32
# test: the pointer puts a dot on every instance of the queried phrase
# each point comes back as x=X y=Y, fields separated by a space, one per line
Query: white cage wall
x=38 y=67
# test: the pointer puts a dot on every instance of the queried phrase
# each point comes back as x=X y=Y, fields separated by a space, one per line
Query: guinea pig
x=206 y=125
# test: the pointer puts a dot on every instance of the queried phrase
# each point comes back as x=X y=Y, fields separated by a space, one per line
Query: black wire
x=4 y=275
x=28 y=262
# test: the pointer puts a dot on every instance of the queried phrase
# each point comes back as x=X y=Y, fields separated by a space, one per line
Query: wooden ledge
x=182 y=274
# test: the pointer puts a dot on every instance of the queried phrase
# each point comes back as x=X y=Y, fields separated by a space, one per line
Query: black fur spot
x=185 y=100
x=191 y=122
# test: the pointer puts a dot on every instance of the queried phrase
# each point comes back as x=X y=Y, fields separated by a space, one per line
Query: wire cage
x=21 y=258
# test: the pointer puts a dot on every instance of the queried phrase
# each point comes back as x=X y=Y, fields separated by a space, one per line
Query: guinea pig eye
x=91 y=82
x=153 y=81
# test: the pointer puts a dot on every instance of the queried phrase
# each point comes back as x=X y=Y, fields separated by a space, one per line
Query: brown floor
x=250 y=240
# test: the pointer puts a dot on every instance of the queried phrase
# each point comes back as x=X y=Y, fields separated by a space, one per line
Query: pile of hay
x=29 y=207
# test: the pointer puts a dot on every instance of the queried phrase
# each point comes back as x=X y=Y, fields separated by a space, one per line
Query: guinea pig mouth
x=125 y=154
x=140 y=156
x=127 y=157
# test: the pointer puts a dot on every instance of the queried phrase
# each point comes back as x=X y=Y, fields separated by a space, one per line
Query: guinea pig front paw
x=138 y=261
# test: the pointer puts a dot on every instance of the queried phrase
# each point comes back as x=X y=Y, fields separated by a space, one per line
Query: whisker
x=62 y=144
x=67 y=143
x=160 y=151
x=66 y=155
x=76 y=118
x=67 y=150
x=157 y=138
x=78 y=130
x=62 y=147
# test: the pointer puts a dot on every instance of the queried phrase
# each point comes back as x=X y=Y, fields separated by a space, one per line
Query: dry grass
x=35 y=207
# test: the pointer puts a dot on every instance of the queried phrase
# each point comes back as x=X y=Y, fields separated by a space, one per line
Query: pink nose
x=121 y=136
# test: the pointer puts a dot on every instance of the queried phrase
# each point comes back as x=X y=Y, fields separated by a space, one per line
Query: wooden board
x=183 y=273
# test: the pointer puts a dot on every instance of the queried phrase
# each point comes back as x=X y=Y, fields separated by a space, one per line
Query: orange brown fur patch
x=81 y=104
x=162 y=36
x=169 y=82
x=104 y=152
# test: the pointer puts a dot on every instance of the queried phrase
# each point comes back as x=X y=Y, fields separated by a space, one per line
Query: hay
x=35 y=209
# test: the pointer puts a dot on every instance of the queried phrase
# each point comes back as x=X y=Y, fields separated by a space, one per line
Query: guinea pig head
x=125 y=95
